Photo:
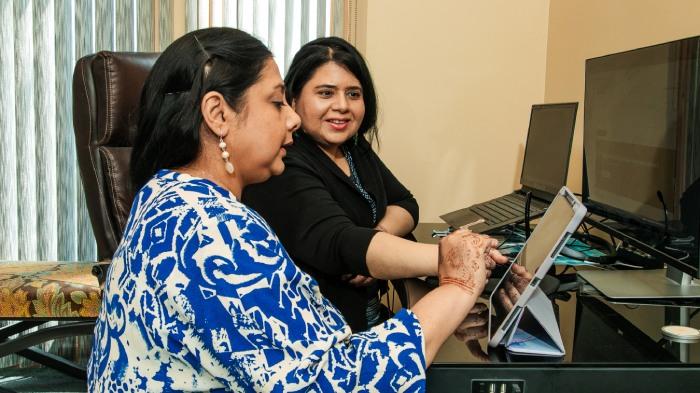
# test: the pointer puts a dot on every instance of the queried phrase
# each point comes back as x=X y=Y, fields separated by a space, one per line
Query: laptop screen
x=548 y=147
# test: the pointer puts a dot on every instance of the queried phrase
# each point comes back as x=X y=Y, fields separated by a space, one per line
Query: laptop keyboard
x=507 y=208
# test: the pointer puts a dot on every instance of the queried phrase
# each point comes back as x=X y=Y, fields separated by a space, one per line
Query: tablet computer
x=508 y=301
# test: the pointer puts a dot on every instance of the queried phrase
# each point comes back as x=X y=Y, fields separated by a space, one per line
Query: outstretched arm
x=465 y=263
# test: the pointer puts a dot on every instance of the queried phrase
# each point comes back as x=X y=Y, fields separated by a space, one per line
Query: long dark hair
x=219 y=59
x=320 y=51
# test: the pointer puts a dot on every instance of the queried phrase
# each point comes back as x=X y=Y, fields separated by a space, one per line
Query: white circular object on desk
x=681 y=334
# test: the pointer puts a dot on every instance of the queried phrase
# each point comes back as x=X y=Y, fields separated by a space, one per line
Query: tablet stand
x=535 y=331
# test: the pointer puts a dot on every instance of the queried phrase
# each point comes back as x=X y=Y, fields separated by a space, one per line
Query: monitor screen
x=548 y=146
x=638 y=122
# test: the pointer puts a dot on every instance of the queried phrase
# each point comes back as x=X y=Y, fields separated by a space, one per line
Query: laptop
x=522 y=318
x=545 y=168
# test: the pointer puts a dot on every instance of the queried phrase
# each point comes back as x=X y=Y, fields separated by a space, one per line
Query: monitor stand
x=670 y=284
x=666 y=284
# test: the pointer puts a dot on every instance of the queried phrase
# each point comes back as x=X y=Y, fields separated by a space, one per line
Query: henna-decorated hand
x=494 y=257
x=466 y=259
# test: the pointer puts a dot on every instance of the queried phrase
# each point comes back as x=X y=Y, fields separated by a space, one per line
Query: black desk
x=609 y=348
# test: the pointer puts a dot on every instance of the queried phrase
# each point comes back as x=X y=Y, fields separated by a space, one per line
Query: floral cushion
x=53 y=290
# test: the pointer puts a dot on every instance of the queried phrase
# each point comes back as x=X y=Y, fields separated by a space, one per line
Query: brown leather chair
x=106 y=90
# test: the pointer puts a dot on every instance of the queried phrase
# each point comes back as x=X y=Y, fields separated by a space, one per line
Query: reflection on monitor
x=548 y=146
x=639 y=130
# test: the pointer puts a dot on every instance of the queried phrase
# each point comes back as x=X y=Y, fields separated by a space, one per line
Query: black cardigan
x=322 y=220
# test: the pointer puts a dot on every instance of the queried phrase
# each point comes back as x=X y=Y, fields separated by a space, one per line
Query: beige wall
x=581 y=29
x=456 y=80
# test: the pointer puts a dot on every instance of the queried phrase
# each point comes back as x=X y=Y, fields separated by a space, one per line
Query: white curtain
x=283 y=25
x=42 y=206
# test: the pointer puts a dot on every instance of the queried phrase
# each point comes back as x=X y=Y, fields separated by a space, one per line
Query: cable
x=666 y=236
x=585 y=228
x=591 y=239
x=693 y=314
x=528 y=200
x=683 y=258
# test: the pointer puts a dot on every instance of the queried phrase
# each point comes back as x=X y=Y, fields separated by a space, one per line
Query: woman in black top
x=337 y=208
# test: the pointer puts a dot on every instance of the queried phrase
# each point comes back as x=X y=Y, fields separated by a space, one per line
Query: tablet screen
x=541 y=244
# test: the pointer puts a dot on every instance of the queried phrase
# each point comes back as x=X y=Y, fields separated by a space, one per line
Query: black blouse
x=323 y=220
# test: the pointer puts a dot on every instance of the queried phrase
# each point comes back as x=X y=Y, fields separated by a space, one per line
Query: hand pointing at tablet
x=466 y=260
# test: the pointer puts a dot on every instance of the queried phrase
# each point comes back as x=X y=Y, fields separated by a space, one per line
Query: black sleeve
x=396 y=193
x=313 y=228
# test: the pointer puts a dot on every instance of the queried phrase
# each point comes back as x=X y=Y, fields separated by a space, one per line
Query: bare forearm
x=440 y=312
x=465 y=260
x=396 y=221
x=390 y=257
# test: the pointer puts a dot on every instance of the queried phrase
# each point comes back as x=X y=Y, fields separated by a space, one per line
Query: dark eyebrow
x=280 y=87
x=329 y=86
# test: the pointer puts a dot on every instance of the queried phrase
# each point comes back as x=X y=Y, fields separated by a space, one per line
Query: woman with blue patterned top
x=201 y=295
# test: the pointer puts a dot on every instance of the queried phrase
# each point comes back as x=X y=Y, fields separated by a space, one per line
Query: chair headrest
x=111 y=83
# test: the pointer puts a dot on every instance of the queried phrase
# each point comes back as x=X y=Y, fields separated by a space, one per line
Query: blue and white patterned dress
x=201 y=296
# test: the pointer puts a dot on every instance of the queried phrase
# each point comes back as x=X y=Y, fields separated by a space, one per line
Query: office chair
x=106 y=90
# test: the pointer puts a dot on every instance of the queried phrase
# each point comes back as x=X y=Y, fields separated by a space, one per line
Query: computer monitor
x=640 y=123
x=641 y=145
x=549 y=139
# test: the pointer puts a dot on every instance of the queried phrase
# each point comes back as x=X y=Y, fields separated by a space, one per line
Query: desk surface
x=595 y=331
x=599 y=337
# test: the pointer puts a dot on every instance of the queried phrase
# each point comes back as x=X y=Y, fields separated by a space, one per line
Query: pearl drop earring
x=225 y=156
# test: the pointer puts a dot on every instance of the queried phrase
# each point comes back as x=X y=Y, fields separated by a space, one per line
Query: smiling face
x=261 y=129
x=331 y=106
